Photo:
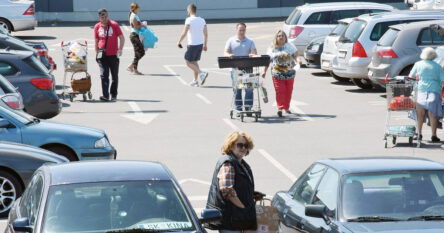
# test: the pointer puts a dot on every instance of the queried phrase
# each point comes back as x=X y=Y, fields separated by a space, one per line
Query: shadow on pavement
x=37 y=37
x=321 y=74
x=342 y=83
x=365 y=90
x=60 y=87
x=160 y=75
x=217 y=87
x=424 y=145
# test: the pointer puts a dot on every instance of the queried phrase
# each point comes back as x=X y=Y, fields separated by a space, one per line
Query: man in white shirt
x=196 y=31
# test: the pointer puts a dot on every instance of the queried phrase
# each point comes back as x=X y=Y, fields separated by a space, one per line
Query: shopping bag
x=149 y=38
x=267 y=217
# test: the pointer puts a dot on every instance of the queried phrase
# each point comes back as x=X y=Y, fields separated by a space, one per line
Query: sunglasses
x=242 y=145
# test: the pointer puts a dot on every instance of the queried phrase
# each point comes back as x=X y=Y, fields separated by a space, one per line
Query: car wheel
x=339 y=79
x=63 y=151
x=10 y=190
x=363 y=83
x=5 y=24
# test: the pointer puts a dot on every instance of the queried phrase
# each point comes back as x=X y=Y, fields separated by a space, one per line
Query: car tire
x=63 y=151
x=11 y=190
x=339 y=79
x=363 y=83
x=5 y=24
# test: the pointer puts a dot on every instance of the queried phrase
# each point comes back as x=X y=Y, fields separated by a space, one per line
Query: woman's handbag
x=267 y=217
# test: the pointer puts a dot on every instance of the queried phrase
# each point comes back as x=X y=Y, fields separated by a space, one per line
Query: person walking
x=283 y=57
x=197 y=34
x=431 y=77
x=139 y=50
x=232 y=186
x=241 y=45
x=109 y=43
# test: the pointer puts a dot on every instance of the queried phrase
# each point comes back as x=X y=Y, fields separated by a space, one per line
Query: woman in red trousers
x=283 y=59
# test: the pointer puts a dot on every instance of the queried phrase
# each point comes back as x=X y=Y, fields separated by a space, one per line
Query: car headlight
x=101 y=143
x=315 y=47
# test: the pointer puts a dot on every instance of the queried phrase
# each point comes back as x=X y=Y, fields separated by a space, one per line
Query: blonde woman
x=232 y=188
x=283 y=59
x=139 y=50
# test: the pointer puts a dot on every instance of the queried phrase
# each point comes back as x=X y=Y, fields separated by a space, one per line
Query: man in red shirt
x=108 y=36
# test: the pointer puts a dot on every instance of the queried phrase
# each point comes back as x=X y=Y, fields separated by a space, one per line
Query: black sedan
x=17 y=164
x=381 y=194
x=312 y=53
x=112 y=196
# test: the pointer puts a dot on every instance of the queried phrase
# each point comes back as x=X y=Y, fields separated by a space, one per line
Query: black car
x=357 y=195
x=112 y=196
x=312 y=53
x=17 y=164
x=33 y=80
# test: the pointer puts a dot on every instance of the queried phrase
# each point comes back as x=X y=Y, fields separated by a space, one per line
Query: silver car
x=17 y=15
x=399 y=49
x=311 y=21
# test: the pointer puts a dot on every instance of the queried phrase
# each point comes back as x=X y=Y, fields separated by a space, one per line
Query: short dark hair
x=192 y=7
x=101 y=11
x=239 y=24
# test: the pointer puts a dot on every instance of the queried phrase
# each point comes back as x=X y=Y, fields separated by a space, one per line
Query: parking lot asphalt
x=157 y=117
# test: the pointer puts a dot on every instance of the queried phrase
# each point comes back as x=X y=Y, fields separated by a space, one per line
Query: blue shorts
x=193 y=52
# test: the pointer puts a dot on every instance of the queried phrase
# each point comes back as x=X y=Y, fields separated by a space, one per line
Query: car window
x=389 y=37
x=327 y=192
x=305 y=190
x=353 y=31
x=339 y=29
x=7 y=69
x=294 y=17
x=319 y=18
x=31 y=200
x=36 y=64
x=437 y=38
x=342 y=14
x=425 y=37
x=380 y=28
x=377 y=11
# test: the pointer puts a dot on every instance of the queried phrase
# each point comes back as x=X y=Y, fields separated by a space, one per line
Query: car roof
x=381 y=164
x=415 y=25
x=19 y=53
x=341 y=5
x=400 y=14
x=346 y=20
x=106 y=171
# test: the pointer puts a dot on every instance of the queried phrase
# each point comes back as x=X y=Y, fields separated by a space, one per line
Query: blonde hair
x=275 y=43
x=231 y=140
x=428 y=54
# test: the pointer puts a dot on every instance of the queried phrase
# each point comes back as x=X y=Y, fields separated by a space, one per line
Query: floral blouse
x=282 y=61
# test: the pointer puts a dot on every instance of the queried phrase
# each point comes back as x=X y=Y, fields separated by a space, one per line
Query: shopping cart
x=401 y=111
x=75 y=63
x=246 y=75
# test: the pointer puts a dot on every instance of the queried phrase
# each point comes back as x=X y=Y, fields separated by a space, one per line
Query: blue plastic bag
x=149 y=38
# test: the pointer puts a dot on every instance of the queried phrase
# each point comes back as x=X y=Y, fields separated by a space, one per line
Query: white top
x=195 y=34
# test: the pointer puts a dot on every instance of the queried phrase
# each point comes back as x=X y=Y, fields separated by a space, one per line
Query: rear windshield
x=36 y=64
x=339 y=29
x=294 y=17
x=388 y=38
x=353 y=31
x=380 y=28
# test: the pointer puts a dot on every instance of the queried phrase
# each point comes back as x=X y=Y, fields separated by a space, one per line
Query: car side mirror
x=317 y=211
x=22 y=225
x=210 y=215
x=4 y=123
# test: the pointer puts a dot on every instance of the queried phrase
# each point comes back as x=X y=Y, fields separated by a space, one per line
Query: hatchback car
x=17 y=164
x=73 y=142
x=114 y=196
x=399 y=48
x=378 y=194
x=311 y=21
x=9 y=95
x=17 y=15
x=33 y=80
x=355 y=47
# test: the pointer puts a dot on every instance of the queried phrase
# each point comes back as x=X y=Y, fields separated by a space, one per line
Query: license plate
x=326 y=63
x=342 y=54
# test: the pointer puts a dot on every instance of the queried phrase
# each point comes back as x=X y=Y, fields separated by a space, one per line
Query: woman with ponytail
x=139 y=50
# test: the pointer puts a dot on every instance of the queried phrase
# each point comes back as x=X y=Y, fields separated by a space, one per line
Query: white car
x=17 y=15
x=355 y=46
x=311 y=21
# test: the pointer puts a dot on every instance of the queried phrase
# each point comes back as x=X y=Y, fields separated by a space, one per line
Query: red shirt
x=114 y=32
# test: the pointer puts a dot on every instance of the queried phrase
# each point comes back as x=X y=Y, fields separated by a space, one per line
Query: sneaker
x=280 y=113
x=194 y=84
x=288 y=111
x=103 y=98
x=114 y=98
x=203 y=76
x=435 y=139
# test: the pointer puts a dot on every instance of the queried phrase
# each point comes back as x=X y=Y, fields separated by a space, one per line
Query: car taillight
x=42 y=83
x=295 y=31
x=42 y=52
x=358 y=50
x=30 y=10
x=12 y=101
x=387 y=53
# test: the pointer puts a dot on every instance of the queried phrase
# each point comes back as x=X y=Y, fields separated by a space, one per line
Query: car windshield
x=339 y=29
x=393 y=196
x=36 y=64
x=116 y=206
x=18 y=115
x=388 y=38
x=353 y=31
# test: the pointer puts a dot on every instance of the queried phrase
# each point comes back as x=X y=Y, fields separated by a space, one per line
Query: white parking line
x=294 y=107
x=203 y=98
x=138 y=115
x=277 y=164
x=229 y=123
x=168 y=67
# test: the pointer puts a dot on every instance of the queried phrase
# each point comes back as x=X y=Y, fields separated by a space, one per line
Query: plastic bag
x=149 y=38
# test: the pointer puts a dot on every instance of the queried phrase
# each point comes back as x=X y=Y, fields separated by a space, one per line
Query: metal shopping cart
x=76 y=67
x=401 y=111
x=246 y=72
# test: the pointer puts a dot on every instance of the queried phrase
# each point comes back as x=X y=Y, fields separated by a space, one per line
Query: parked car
x=73 y=142
x=355 y=47
x=399 y=48
x=312 y=53
x=311 y=21
x=17 y=15
x=114 y=196
x=377 y=194
x=17 y=164
x=33 y=80
x=9 y=95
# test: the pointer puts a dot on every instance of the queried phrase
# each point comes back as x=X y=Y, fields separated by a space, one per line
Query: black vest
x=234 y=218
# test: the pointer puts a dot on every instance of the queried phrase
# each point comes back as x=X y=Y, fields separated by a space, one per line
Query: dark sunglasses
x=242 y=145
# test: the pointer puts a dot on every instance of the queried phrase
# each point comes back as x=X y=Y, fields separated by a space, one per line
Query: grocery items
x=401 y=103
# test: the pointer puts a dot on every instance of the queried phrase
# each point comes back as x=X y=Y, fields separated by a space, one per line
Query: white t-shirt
x=195 y=34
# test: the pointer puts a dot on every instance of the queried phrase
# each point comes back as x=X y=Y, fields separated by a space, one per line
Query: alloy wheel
x=8 y=194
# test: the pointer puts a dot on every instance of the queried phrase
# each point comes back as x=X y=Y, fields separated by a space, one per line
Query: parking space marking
x=203 y=98
x=168 y=67
x=294 y=107
x=138 y=115
x=278 y=165
x=231 y=124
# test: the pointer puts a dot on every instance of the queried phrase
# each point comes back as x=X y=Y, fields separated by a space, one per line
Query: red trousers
x=284 y=90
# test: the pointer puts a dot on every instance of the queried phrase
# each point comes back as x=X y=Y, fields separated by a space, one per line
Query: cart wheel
x=411 y=141
x=256 y=117
x=71 y=98
x=394 y=140
x=231 y=114
x=259 y=115
x=84 y=97
x=90 y=95
x=418 y=144
x=242 y=117
x=385 y=144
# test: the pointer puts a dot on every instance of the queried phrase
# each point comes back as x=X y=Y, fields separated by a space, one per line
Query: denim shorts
x=193 y=52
